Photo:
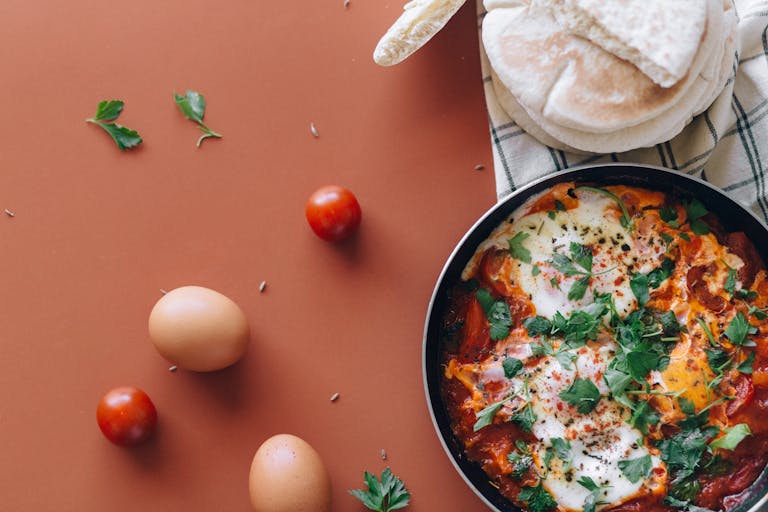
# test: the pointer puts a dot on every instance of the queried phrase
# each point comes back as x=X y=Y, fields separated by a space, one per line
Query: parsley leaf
x=525 y=418
x=738 y=330
x=746 y=294
x=497 y=312
x=578 y=289
x=642 y=283
x=192 y=105
x=537 y=498
x=669 y=215
x=385 y=495
x=537 y=325
x=521 y=464
x=626 y=220
x=516 y=249
x=643 y=416
x=730 y=281
x=639 y=286
x=733 y=436
x=562 y=449
x=636 y=469
x=685 y=237
x=746 y=365
x=583 y=394
x=563 y=264
x=124 y=137
x=695 y=210
x=758 y=313
x=485 y=416
x=683 y=452
x=511 y=367
x=707 y=331
x=535 y=270
x=718 y=360
x=108 y=110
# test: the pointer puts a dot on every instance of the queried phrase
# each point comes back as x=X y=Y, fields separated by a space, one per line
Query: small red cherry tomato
x=333 y=213
x=126 y=416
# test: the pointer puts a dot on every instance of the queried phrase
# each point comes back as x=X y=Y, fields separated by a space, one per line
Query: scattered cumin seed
x=313 y=129
x=335 y=397
x=262 y=286
x=383 y=454
x=9 y=213
x=479 y=167
x=163 y=291
x=173 y=368
x=346 y=4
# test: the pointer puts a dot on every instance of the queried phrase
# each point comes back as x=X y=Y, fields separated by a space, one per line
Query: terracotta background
x=98 y=233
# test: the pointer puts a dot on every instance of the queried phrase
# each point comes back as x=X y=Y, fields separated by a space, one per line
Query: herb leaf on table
x=385 y=495
x=108 y=111
x=192 y=105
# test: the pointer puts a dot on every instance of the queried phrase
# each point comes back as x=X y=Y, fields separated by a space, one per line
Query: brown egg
x=198 y=329
x=287 y=475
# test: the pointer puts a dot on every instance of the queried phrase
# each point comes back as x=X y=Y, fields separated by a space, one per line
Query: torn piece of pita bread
x=660 y=37
x=420 y=20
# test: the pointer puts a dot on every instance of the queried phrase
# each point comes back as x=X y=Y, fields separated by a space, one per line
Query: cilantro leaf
x=511 y=367
x=733 y=436
x=578 y=289
x=516 y=249
x=582 y=255
x=565 y=358
x=617 y=381
x=583 y=394
x=537 y=498
x=108 y=110
x=537 y=325
x=636 y=469
x=564 y=265
x=643 y=416
x=385 y=496
x=738 y=330
x=192 y=105
x=669 y=323
x=124 y=137
x=746 y=294
x=717 y=359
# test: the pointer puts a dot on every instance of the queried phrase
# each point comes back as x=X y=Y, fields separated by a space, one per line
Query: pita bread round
x=647 y=33
x=649 y=133
x=570 y=82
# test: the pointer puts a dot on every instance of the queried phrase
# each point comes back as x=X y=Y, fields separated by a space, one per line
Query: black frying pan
x=732 y=215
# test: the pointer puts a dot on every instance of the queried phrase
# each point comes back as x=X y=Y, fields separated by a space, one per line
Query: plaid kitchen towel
x=727 y=145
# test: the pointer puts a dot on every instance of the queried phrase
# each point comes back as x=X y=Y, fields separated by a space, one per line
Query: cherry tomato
x=333 y=213
x=126 y=416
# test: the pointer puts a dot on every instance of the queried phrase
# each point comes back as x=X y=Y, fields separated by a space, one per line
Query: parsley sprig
x=516 y=248
x=583 y=394
x=594 y=492
x=521 y=460
x=106 y=113
x=192 y=105
x=578 y=264
x=537 y=498
x=497 y=312
x=385 y=495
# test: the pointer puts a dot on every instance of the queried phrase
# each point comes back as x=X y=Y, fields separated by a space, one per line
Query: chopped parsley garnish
x=521 y=460
x=636 y=469
x=485 y=416
x=695 y=211
x=685 y=237
x=562 y=448
x=626 y=220
x=516 y=249
x=537 y=325
x=511 y=366
x=746 y=365
x=746 y=294
x=669 y=215
x=594 y=491
x=643 y=416
x=497 y=312
x=758 y=313
x=537 y=498
x=583 y=394
x=733 y=436
x=683 y=452
x=730 y=281
x=642 y=283
x=707 y=331
x=738 y=330
x=525 y=418
x=545 y=348
x=385 y=495
x=535 y=270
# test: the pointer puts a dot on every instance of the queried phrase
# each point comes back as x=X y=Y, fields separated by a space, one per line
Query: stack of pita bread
x=608 y=76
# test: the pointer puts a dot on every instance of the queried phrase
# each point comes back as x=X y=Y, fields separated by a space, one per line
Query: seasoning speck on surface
x=335 y=397
x=346 y=4
x=383 y=454
x=9 y=213
x=313 y=129
x=479 y=167
x=173 y=368
x=163 y=291
x=262 y=286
